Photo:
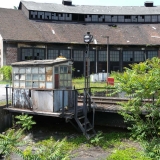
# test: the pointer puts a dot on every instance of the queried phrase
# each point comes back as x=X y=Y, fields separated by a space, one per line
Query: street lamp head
x=88 y=38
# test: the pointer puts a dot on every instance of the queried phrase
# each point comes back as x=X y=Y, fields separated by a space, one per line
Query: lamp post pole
x=107 y=53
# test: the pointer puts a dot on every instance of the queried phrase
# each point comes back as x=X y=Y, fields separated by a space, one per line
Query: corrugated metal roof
x=90 y=9
x=40 y=62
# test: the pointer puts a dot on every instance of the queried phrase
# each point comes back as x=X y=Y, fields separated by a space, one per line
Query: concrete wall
x=5 y=119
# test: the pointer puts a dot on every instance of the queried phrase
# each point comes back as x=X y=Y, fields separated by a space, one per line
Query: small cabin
x=43 y=74
x=42 y=86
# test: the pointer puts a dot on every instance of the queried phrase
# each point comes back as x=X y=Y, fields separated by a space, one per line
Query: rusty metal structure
x=44 y=87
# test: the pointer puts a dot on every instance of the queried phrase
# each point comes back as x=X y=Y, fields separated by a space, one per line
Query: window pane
x=35 y=70
x=91 y=55
x=16 y=77
x=52 y=54
x=65 y=69
x=16 y=84
x=22 y=70
x=28 y=77
x=49 y=70
x=152 y=54
x=35 y=84
x=41 y=69
x=120 y=18
x=27 y=54
x=28 y=84
x=65 y=53
x=39 y=54
x=147 y=18
x=35 y=77
x=78 y=55
x=22 y=77
x=15 y=70
x=102 y=56
x=154 y=18
x=49 y=78
x=127 y=56
x=56 y=70
x=107 y=18
x=61 y=69
x=41 y=77
x=42 y=85
x=114 y=56
x=61 y=77
x=138 y=56
x=94 y=18
x=22 y=84
x=28 y=69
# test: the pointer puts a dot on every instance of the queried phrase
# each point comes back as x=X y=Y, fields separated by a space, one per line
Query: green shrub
x=6 y=71
x=127 y=154
x=10 y=141
x=140 y=83
x=25 y=121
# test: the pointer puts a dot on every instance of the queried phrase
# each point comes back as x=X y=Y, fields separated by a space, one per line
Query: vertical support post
x=7 y=96
x=75 y=103
x=62 y=102
x=96 y=61
x=107 y=55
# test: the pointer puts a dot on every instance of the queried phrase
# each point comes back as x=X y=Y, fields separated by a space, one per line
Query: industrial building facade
x=45 y=31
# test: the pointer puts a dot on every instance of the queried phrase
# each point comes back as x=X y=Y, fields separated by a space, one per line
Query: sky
x=12 y=3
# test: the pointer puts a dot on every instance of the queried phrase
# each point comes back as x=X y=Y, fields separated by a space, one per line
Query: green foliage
x=10 y=141
x=6 y=71
x=53 y=150
x=142 y=85
x=127 y=154
x=97 y=139
x=25 y=121
x=152 y=148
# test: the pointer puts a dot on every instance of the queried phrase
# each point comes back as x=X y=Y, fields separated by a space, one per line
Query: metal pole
x=96 y=59
x=7 y=96
x=107 y=54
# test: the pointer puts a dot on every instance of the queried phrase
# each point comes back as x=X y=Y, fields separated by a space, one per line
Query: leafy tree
x=6 y=71
x=141 y=84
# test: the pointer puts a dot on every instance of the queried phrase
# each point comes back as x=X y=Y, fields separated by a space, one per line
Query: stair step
x=84 y=123
x=81 y=117
x=89 y=129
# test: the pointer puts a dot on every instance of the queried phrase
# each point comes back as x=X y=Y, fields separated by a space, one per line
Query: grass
x=117 y=144
x=79 y=83
x=2 y=103
x=5 y=82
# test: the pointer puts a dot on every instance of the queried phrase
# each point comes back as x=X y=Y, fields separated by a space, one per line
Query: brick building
x=45 y=31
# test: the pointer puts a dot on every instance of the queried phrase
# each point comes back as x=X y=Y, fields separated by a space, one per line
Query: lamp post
x=107 y=52
x=144 y=52
x=88 y=38
x=70 y=47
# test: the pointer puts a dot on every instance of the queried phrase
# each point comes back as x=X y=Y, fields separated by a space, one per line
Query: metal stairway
x=82 y=120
